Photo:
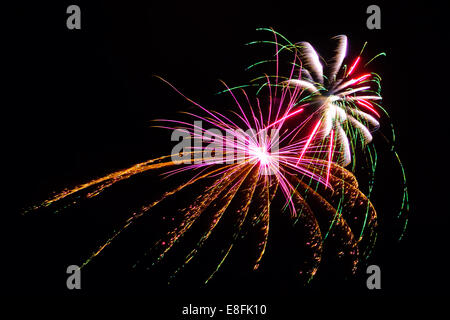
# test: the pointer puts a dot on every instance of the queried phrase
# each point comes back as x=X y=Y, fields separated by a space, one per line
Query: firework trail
x=264 y=154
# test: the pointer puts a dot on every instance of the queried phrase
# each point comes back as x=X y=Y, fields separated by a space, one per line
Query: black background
x=79 y=104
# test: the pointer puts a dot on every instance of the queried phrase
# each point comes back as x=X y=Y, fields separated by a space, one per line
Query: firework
x=257 y=154
x=341 y=104
x=338 y=97
x=248 y=185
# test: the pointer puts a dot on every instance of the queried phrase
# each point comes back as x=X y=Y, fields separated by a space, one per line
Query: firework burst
x=256 y=153
x=339 y=98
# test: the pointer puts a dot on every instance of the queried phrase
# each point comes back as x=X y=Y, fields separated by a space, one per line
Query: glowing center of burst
x=262 y=155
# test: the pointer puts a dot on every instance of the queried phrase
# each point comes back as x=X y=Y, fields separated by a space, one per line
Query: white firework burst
x=337 y=96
